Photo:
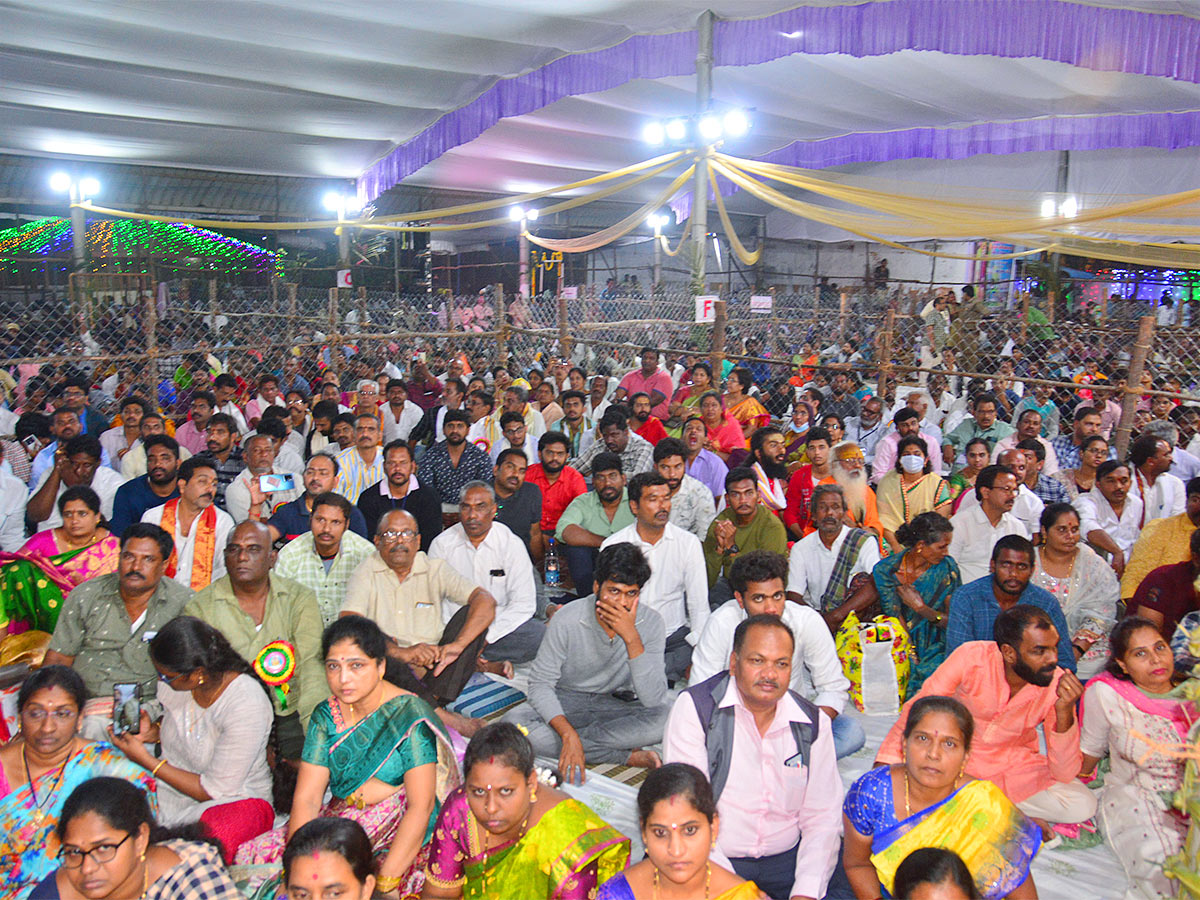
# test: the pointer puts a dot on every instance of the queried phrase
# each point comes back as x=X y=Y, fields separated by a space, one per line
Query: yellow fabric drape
x=735 y=243
x=617 y=230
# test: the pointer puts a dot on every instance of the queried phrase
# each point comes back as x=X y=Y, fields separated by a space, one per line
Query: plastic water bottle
x=552 y=577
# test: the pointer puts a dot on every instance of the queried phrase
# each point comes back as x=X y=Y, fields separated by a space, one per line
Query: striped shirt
x=354 y=475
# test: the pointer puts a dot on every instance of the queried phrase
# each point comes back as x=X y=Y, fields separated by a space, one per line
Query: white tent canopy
x=493 y=95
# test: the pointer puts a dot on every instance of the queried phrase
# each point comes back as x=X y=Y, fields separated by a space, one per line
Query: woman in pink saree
x=35 y=579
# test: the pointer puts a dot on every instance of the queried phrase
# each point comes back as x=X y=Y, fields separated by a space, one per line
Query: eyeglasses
x=407 y=534
x=62 y=714
x=73 y=857
x=168 y=679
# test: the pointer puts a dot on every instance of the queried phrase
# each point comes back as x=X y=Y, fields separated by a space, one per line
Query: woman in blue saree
x=928 y=801
x=915 y=586
x=41 y=767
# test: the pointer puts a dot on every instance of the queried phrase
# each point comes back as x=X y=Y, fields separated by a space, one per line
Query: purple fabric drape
x=1087 y=36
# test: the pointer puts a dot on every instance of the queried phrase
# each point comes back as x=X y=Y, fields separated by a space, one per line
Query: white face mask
x=912 y=464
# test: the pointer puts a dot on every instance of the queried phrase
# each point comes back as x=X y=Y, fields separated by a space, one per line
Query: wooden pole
x=1103 y=309
x=501 y=326
x=564 y=328
x=1050 y=306
x=150 y=313
x=292 y=292
x=213 y=309
x=1024 y=315
x=1133 y=384
x=776 y=337
x=716 y=350
x=885 y=353
x=335 y=339
x=363 y=322
x=842 y=314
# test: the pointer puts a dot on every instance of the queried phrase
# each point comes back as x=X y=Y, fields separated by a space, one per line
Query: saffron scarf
x=772 y=492
x=206 y=543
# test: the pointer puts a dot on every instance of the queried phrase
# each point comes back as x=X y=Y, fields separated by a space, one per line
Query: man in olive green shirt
x=592 y=517
x=253 y=608
x=743 y=525
x=105 y=623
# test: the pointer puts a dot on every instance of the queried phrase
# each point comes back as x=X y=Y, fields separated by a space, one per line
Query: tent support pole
x=704 y=67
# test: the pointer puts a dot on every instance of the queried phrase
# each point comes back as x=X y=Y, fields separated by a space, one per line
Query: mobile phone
x=270 y=483
x=127 y=708
x=31 y=443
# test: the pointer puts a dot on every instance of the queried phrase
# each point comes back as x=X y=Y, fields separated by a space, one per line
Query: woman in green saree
x=505 y=835
x=381 y=752
x=916 y=586
x=52 y=563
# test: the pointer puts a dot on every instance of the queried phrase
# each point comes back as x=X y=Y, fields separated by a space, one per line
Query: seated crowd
x=257 y=621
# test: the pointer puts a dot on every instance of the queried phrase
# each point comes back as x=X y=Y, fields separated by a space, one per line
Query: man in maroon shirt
x=1169 y=593
x=559 y=483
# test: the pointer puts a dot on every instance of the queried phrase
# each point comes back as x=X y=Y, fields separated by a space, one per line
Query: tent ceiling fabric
x=386 y=90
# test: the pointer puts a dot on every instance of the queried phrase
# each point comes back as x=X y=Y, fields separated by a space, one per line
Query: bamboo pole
x=842 y=314
x=716 y=350
x=885 y=353
x=1133 y=383
x=564 y=330
x=335 y=338
x=502 y=326
x=293 y=290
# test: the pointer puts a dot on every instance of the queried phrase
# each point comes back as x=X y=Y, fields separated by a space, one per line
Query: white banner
x=344 y=280
x=760 y=305
x=571 y=293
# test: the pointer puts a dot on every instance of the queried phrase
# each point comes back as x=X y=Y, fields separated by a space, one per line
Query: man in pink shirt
x=770 y=756
x=648 y=380
x=192 y=434
x=1011 y=686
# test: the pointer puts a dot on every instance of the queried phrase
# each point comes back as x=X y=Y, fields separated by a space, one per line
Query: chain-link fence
x=153 y=334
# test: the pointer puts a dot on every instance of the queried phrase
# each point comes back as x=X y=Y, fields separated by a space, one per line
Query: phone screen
x=31 y=443
x=127 y=708
x=270 y=483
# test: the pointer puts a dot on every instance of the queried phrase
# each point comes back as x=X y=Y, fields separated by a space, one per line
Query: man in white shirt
x=977 y=528
x=867 y=428
x=1029 y=426
x=1161 y=493
x=487 y=553
x=399 y=416
x=757 y=578
x=77 y=463
x=1109 y=515
x=192 y=519
x=678 y=585
x=245 y=494
x=13 y=494
x=823 y=566
x=515 y=434
x=1027 y=506
x=225 y=387
x=275 y=425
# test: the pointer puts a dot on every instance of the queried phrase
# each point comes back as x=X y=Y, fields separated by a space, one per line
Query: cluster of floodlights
x=83 y=188
x=702 y=129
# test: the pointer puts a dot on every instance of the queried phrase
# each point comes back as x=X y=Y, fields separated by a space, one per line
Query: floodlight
x=654 y=134
x=1069 y=208
x=531 y=215
x=516 y=214
x=736 y=123
x=709 y=127
x=1048 y=208
x=332 y=201
x=676 y=129
x=89 y=187
x=657 y=221
x=352 y=203
x=60 y=182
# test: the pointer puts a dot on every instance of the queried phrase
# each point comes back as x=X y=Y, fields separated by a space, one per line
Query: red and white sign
x=570 y=293
x=706 y=308
x=344 y=280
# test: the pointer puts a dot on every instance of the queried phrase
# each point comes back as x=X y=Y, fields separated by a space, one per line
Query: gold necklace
x=907 y=807
x=487 y=838
x=707 y=880
x=39 y=813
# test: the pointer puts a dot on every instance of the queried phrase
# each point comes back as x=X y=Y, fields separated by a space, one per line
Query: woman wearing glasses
x=217 y=722
x=40 y=768
x=111 y=849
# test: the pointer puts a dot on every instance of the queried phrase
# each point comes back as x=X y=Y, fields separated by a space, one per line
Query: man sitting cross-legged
x=1012 y=685
x=598 y=687
x=405 y=592
x=758 y=588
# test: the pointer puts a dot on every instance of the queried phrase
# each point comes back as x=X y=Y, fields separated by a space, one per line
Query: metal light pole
x=79 y=190
x=704 y=67
x=523 y=216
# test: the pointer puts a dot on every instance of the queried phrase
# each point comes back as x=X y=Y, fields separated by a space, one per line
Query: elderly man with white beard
x=850 y=474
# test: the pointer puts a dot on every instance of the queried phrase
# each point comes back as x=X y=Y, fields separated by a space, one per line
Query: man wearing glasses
x=75 y=396
x=414 y=600
x=516 y=436
x=105 y=623
x=254 y=609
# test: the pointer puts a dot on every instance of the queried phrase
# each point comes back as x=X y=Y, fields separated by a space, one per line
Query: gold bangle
x=154 y=771
x=386 y=885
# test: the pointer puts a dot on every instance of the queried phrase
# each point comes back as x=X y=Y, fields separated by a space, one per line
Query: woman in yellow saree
x=52 y=563
x=679 y=825
x=740 y=406
x=927 y=801
x=505 y=835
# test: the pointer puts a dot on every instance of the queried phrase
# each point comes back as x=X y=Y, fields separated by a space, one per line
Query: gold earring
x=533 y=794
x=201 y=679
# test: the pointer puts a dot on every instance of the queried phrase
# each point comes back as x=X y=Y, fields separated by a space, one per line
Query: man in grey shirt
x=598 y=688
